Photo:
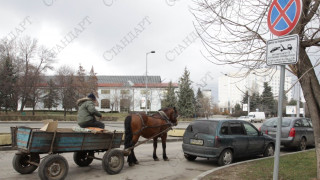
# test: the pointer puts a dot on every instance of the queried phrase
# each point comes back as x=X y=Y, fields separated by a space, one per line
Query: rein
x=164 y=117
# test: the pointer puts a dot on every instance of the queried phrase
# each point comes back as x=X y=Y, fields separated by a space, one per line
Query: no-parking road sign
x=283 y=16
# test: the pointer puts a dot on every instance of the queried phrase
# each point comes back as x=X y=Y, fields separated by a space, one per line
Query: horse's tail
x=128 y=132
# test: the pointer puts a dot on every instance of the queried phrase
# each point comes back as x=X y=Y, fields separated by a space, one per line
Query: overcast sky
x=114 y=36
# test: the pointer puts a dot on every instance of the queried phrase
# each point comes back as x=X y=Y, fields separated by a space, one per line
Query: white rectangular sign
x=291 y=110
x=284 y=50
x=245 y=107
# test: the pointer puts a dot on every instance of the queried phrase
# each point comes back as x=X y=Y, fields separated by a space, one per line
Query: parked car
x=257 y=116
x=225 y=140
x=244 y=118
x=295 y=132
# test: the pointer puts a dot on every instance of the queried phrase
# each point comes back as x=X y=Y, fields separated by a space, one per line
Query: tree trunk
x=311 y=91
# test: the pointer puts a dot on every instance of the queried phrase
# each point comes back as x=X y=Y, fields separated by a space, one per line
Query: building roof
x=124 y=81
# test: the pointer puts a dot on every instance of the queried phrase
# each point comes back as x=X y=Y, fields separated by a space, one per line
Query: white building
x=231 y=88
x=123 y=93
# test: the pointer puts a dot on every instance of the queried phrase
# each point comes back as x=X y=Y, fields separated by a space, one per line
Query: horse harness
x=164 y=117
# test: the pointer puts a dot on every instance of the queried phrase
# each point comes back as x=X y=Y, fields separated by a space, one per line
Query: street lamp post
x=147 y=79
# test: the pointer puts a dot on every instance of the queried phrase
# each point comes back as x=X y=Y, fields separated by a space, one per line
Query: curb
x=204 y=174
x=7 y=148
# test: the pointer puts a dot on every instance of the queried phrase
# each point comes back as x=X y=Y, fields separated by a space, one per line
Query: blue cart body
x=33 y=140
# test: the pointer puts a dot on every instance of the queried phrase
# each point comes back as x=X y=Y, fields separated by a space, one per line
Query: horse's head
x=172 y=114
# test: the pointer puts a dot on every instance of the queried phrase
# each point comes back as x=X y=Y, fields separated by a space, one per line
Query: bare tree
x=66 y=82
x=36 y=60
x=235 y=32
x=114 y=102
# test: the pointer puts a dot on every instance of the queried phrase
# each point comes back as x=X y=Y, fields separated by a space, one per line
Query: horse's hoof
x=131 y=164
x=137 y=162
x=166 y=159
x=156 y=159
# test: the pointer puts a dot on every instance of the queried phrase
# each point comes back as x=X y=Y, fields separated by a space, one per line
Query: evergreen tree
x=170 y=99
x=245 y=98
x=69 y=95
x=292 y=102
x=198 y=103
x=237 y=108
x=267 y=99
x=51 y=99
x=93 y=83
x=255 y=102
x=8 y=82
x=186 y=96
x=82 y=85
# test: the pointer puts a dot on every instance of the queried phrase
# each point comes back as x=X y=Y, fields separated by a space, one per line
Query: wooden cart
x=31 y=142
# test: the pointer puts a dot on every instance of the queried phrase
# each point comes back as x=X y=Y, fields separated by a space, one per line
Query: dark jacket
x=87 y=110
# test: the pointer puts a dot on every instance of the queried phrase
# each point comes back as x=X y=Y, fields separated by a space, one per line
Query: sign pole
x=278 y=136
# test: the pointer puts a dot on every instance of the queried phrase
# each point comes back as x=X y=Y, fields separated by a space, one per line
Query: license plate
x=271 y=132
x=196 y=141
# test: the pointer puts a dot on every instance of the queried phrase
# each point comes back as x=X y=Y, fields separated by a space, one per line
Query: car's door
x=240 y=139
x=255 y=140
x=309 y=131
x=300 y=131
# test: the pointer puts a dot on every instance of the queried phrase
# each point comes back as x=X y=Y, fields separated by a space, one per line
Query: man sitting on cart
x=87 y=112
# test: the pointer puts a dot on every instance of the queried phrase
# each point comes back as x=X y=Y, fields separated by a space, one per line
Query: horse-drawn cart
x=31 y=142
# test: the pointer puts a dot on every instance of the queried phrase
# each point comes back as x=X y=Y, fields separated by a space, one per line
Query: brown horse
x=155 y=126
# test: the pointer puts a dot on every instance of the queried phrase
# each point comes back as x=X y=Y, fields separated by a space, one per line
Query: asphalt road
x=175 y=169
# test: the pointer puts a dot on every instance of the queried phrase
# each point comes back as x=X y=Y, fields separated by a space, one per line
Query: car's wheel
x=113 y=161
x=302 y=144
x=225 y=157
x=21 y=163
x=269 y=150
x=190 y=157
x=83 y=158
x=53 y=167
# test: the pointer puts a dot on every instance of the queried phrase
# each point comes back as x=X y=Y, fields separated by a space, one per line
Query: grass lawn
x=297 y=166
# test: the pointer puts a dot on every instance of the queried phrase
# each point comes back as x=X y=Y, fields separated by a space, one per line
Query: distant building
x=123 y=93
x=231 y=90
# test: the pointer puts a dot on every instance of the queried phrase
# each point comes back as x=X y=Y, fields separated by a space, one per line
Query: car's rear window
x=205 y=127
x=274 y=122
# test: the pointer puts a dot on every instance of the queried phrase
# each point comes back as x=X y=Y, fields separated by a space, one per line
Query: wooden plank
x=23 y=136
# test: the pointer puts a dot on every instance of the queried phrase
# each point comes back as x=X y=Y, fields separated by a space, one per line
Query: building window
x=45 y=91
x=143 y=92
x=124 y=105
x=125 y=91
x=28 y=104
x=148 y=105
x=105 y=91
x=105 y=103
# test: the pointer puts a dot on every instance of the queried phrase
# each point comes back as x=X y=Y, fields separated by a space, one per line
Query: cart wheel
x=113 y=161
x=53 y=167
x=21 y=165
x=82 y=158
